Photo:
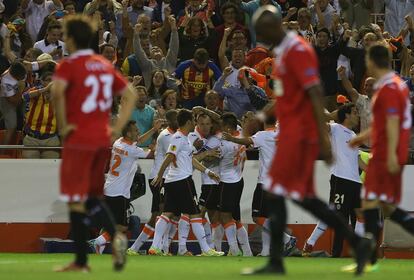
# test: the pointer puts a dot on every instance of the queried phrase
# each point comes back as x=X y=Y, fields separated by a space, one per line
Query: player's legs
x=184 y=226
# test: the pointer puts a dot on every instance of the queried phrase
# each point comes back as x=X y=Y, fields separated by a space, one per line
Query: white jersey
x=123 y=167
x=182 y=167
x=345 y=165
x=265 y=141
x=193 y=136
x=163 y=141
x=213 y=142
x=232 y=161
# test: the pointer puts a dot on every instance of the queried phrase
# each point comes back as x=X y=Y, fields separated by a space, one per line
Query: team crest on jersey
x=173 y=148
x=277 y=88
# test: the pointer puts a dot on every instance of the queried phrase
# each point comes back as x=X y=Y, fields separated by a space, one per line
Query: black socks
x=277 y=216
x=404 y=219
x=99 y=212
x=372 y=226
x=80 y=235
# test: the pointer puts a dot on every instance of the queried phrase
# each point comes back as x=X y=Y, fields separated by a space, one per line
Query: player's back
x=266 y=142
x=163 y=141
x=391 y=98
x=232 y=161
x=91 y=83
x=295 y=71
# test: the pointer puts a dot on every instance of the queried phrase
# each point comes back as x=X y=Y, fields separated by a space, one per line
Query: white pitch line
x=25 y=261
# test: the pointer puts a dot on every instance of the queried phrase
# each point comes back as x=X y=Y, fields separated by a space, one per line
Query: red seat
x=16 y=140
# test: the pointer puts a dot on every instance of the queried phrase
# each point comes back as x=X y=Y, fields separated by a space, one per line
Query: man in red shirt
x=83 y=88
x=390 y=136
x=303 y=135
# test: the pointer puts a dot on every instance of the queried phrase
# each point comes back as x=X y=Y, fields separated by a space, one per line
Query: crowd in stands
x=187 y=53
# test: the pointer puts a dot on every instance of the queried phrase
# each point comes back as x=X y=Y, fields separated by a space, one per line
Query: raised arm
x=139 y=51
x=247 y=141
x=172 y=53
x=352 y=92
x=156 y=126
x=224 y=62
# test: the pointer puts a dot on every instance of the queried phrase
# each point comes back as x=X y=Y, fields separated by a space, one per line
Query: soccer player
x=302 y=137
x=345 y=180
x=163 y=141
x=180 y=194
x=122 y=169
x=265 y=141
x=82 y=92
x=390 y=134
x=231 y=171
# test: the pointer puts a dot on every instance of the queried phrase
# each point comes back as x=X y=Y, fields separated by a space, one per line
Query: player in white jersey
x=345 y=193
x=163 y=141
x=180 y=194
x=123 y=167
x=265 y=141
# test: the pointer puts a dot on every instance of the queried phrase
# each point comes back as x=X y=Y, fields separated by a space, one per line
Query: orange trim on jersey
x=229 y=224
x=215 y=225
x=270 y=129
x=123 y=140
x=199 y=132
x=184 y=133
x=174 y=222
x=165 y=218
x=170 y=130
x=205 y=221
x=260 y=221
x=106 y=235
x=239 y=225
x=185 y=218
x=197 y=221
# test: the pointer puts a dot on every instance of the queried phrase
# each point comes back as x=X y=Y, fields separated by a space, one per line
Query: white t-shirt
x=346 y=159
x=50 y=47
x=266 y=142
x=193 y=136
x=232 y=161
x=123 y=168
x=213 y=142
x=182 y=149
x=9 y=85
x=163 y=141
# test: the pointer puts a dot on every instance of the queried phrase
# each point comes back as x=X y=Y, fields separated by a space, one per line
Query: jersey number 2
x=117 y=163
x=101 y=83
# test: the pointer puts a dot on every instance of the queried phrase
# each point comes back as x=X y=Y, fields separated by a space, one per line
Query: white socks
x=161 y=228
x=360 y=228
x=218 y=234
x=198 y=230
x=145 y=234
x=231 y=234
x=317 y=232
x=207 y=230
x=243 y=238
x=183 y=231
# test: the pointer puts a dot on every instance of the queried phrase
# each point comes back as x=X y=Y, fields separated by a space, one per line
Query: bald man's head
x=267 y=21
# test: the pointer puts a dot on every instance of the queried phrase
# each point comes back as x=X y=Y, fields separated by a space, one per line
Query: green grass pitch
x=40 y=266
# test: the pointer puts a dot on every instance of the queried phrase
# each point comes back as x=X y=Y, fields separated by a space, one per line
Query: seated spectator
x=197 y=76
x=143 y=114
x=212 y=100
x=40 y=120
x=51 y=44
x=109 y=52
x=35 y=11
x=157 y=58
x=194 y=34
x=158 y=86
x=237 y=99
x=11 y=89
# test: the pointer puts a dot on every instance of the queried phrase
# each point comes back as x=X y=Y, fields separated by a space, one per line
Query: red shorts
x=292 y=170
x=380 y=184
x=82 y=173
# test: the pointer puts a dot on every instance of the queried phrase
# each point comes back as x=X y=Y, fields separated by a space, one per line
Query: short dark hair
x=137 y=88
x=171 y=116
x=324 y=30
x=228 y=5
x=103 y=46
x=35 y=52
x=69 y=3
x=17 y=70
x=127 y=127
x=270 y=119
x=81 y=30
x=380 y=55
x=184 y=116
x=203 y=115
x=54 y=25
x=229 y=119
x=343 y=110
x=201 y=55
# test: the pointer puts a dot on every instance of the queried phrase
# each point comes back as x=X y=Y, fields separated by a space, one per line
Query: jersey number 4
x=101 y=83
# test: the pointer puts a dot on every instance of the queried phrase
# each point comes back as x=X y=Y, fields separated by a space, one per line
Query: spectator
x=107 y=8
x=212 y=101
x=193 y=35
x=109 y=52
x=406 y=55
x=69 y=7
x=395 y=11
x=51 y=44
x=36 y=11
x=236 y=99
x=40 y=120
x=328 y=58
x=322 y=13
x=168 y=102
x=143 y=114
x=305 y=26
x=356 y=12
x=158 y=86
x=19 y=38
x=197 y=8
x=11 y=89
x=158 y=14
x=410 y=83
x=197 y=76
x=157 y=59
x=130 y=66
x=132 y=13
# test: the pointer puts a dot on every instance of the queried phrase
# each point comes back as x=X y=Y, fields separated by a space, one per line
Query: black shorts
x=181 y=197
x=119 y=206
x=210 y=197
x=157 y=198
x=259 y=203
x=230 y=198
x=345 y=194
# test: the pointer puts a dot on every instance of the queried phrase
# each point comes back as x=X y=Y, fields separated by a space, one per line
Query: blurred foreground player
x=390 y=136
x=303 y=136
x=83 y=88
